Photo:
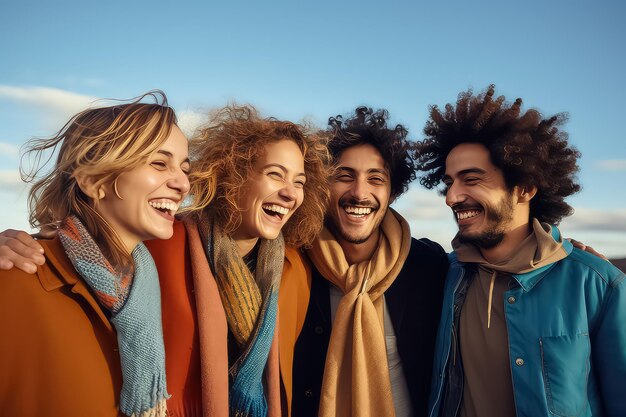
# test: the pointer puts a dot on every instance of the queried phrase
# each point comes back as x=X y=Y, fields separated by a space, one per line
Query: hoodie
x=487 y=389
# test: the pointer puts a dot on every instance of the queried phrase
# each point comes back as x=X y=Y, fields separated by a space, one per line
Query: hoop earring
x=115 y=189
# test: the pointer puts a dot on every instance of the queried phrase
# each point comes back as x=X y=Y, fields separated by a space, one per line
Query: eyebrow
x=171 y=155
x=464 y=172
x=300 y=174
x=369 y=171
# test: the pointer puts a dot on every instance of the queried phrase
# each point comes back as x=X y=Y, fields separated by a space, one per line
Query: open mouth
x=274 y=210
x=466 y=213
x=166 y=207
x=357 y=211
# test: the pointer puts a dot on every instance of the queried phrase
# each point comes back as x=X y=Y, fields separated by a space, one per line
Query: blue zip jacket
x=566 y=325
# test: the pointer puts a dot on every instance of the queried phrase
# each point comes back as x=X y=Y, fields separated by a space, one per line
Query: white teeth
x=170 y=206
x=462 y=215
x=358 y=210
x=276 y=208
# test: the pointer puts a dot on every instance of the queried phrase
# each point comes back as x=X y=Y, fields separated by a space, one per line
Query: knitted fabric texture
x=356 y=374
x=135 y=306
x=237 y=288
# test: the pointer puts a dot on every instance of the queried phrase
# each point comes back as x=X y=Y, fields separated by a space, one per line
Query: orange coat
x=58 y=351
x=293 y=301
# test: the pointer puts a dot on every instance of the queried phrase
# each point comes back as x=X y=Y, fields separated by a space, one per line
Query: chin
x=485 y=240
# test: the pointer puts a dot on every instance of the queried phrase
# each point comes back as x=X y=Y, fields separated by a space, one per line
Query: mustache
x=462 y=206
x=351 y=201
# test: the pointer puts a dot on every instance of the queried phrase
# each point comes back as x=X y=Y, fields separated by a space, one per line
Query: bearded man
x=530 y=326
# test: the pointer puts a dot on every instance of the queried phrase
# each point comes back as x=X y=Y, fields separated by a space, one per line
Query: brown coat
x=58 y=351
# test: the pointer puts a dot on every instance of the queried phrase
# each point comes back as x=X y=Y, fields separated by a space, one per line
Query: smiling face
x=485 y=209
x=142 y=203
x=360 y=194
x=274 y=190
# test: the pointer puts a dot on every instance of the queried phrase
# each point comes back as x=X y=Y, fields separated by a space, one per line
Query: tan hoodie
x=488 y=390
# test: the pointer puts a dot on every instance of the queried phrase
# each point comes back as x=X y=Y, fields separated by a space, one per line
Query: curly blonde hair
x=101 y=143
x=223 y=155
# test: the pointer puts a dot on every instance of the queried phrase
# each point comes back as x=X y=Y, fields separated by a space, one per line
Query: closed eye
x=343 y=178
x=160 y=165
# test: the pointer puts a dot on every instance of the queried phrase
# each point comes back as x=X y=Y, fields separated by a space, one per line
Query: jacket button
x=519 y=361
x=319 y=330
x=308 y=393
x=511 y=300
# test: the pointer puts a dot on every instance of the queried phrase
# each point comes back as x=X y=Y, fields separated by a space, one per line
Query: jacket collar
x=59 y=272
x=529 y=279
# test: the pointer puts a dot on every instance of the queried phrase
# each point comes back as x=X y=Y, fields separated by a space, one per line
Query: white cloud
x=8 y=149
x=11 y=182
x=611 y=165
x=189 y=121
x=597 y=220
x=423 y=205
x=60 y=102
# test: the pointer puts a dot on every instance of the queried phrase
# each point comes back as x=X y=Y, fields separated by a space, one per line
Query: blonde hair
x=100 y=143
x=223 y=155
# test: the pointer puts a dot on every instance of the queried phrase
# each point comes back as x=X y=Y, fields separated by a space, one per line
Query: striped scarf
x=251 y=304
x=135 y=306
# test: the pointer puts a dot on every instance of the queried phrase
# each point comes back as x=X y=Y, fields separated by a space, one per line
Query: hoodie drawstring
x=491 y=285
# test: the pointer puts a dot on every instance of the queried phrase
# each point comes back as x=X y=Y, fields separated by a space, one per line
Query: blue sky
x=312 y=60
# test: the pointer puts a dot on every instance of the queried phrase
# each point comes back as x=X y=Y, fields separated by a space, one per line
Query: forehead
x=362 y=158
x=283 y=152
x=468 y=156
x=176 y=144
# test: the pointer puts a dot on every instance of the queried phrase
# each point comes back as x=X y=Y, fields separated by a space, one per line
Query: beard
x=335 y=226
x=498 y=218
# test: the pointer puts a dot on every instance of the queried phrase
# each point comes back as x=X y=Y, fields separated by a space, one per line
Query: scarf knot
x=356 y=378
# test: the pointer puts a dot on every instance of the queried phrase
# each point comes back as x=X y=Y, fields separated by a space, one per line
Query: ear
x=87 y=185
x=526 y=193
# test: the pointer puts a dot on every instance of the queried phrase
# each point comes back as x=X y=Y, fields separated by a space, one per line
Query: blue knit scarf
x=135 y=306
x=236 y=283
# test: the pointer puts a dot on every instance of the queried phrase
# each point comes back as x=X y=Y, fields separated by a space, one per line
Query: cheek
x=299 y=198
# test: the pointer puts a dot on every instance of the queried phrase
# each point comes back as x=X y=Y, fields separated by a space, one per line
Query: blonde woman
x=83 y=336
x=259 y=191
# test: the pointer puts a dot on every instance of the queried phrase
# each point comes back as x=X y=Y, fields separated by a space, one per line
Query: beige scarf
x=356 y=375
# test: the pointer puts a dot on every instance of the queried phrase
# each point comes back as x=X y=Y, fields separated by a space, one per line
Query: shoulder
x=426 y=249
x=427 y=245
x=589 y=264
x=426 y=259
x=30 y=293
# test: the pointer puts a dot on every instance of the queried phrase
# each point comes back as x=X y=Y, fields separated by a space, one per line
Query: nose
x=454 y=195
x=359 y=190
x=179 y=181
x=288 y=191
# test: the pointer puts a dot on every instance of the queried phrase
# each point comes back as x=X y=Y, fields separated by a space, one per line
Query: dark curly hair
x=369 y=127
x=529 y=150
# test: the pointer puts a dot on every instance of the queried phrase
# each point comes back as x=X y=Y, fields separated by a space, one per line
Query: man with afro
x=530 y=326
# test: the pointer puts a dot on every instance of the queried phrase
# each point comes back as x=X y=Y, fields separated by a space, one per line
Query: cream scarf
x=356 y=376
